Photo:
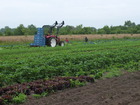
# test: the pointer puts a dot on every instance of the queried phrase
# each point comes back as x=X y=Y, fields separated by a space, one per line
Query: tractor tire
x=52 y=42
x=61 y=43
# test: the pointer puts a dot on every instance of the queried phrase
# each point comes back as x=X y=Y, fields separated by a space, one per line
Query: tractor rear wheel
x=52 y=42
x=61 y=43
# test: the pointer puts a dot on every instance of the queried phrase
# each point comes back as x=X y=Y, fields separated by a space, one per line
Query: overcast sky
x=93 y=13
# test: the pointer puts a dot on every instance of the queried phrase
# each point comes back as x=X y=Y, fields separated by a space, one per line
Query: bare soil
x=70 y=37
x=122 y=90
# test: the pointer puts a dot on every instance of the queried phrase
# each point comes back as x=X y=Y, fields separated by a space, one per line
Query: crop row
x=28 y=64
x=40 y=67
x=41 y=86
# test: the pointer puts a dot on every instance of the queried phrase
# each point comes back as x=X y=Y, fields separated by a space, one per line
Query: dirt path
x=123 y=90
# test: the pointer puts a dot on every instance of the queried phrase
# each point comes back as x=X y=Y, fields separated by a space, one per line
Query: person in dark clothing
x=86 y=39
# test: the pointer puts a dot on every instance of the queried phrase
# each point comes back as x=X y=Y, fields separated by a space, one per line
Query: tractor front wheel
x=52 y=42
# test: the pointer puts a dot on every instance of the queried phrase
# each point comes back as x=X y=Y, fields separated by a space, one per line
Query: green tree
x=129 y=24
x=87 y=30
x=67 y=30
x=31 y=30
x=78 y=29
x=20 y=30
x=1 y=34
x=101 y=31
x=106 y=30
x=8 y=31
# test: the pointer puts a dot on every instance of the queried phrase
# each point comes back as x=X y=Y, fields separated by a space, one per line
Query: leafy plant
x=20 y=98
x=74 y=83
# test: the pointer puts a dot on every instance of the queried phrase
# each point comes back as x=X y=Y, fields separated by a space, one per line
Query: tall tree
x=129 y=24
x=106 y=29
x=31 y=29
x=8 y=31
x=20 y=30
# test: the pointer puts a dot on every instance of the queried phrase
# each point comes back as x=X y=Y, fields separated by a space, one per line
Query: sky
x=89 y=13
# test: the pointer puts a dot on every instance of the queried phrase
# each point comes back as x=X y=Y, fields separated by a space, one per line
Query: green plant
x=20 y=98
x=75 y=83
x=113 y=73
x=44 y=94
x=98 y=75
x=37 y=95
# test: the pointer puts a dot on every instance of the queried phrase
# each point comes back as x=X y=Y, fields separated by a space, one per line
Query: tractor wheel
x=61 y=43
x=52 y=42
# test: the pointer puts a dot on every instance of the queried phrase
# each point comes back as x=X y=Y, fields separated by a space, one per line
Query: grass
x=113 y=73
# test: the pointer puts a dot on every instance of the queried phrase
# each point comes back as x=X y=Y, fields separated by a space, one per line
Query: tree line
x=128 y=28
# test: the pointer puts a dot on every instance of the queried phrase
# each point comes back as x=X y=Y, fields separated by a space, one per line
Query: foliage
x=75 y=83
x=37 y=95
x=128 y=28
x=114 y=72
x=25 y=64
x=20 y=98
x=43 y=70
x=20 y=30
x=18 y=93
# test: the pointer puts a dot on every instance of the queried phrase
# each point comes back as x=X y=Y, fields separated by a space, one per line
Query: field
x=39 y=71
x=70 y=37
x=122 y=90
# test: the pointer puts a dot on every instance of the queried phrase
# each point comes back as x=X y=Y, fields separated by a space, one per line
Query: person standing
x=66 y=40
x=86 y=39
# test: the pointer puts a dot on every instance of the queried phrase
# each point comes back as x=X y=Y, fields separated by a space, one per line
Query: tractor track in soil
x=122 y=90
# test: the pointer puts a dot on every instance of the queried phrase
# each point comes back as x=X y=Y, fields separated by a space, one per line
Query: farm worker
x=86 y=39
x=66 y=40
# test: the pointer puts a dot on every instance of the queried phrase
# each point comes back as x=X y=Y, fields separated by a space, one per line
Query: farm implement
x=48 y=40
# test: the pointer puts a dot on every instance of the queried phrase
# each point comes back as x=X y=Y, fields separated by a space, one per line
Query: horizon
x=69 y=25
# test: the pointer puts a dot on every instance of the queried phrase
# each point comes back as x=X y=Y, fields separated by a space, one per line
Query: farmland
x=95 y=59
x=70 y=37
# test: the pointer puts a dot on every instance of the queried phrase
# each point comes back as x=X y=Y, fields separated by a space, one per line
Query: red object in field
x=53 y=36
x=53 y=40
x=67 y=41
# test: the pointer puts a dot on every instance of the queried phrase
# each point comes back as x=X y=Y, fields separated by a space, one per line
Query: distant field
x=70 y=37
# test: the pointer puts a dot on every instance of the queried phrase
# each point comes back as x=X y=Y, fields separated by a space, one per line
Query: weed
x=20 y=98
